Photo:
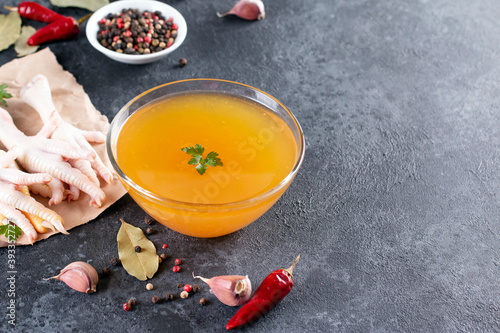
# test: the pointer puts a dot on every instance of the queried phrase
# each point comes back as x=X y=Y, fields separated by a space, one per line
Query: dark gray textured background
x=395 y=210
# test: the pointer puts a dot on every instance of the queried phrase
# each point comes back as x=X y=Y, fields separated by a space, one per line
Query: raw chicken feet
x=39 y=154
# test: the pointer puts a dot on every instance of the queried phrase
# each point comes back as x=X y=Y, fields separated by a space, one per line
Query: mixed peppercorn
x=134 y=32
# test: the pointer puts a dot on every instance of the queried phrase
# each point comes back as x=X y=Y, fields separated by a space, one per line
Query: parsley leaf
x=11 y=231
x=4 y=94
x=198 y=161
x=212 y=159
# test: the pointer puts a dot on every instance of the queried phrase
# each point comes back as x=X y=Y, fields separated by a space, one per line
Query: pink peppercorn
x=164 y=246
x=177 y=262
x=187 y=287
x=126 y=306
x=176 y=269
x=174 y=26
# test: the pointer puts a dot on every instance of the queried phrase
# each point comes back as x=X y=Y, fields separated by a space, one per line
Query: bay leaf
x=142 y=265
x=91 y=5
x=21 y=46
x=10 y=29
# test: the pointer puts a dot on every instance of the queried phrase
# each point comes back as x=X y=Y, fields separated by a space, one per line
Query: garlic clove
x=79 y=276
x=231 y=290
x=248 y=10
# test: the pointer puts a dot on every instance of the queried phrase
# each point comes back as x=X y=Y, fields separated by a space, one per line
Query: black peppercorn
x=182 y=62
x=203 y=301
x=163 y=256
x=155 y=299
x=180 y=285
x=106 y=271
x=150 y=231
x=137 y=249
x=115 y=262
x=196 y=288
x=132 y=301
x=149 y=220
x=169 y=297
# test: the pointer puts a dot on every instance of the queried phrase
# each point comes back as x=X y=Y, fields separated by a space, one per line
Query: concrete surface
x=395 y=210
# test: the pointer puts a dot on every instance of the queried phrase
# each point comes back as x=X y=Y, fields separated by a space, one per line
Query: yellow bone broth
x=256 y=147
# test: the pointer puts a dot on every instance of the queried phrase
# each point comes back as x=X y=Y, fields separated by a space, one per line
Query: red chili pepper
x=270 y=292
x=34 y=11
x=64 y=28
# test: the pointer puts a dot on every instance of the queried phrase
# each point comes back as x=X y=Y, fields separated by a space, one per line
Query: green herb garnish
x=197 y=158
x=4 y=94
x=11 y=231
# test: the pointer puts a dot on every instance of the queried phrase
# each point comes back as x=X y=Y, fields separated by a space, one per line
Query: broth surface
x=256 y=147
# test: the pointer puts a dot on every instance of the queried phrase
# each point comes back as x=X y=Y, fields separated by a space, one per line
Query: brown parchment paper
x=75 y=107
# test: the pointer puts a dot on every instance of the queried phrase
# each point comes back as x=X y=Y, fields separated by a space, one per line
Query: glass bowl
x=192 y=217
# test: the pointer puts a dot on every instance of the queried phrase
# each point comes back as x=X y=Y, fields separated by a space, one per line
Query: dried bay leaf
x=21 y=46
x=142 y=265
x=91 y=5
x=10 y=28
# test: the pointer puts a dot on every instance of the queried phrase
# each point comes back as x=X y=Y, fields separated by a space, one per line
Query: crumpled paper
x=76 y=108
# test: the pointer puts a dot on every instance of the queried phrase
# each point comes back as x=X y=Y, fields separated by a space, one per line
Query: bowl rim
x=91 y=28
x=206 y=206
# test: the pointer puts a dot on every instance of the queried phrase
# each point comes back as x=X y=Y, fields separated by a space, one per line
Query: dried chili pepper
x=270 y=292
x=63 y=28
x=34 y=11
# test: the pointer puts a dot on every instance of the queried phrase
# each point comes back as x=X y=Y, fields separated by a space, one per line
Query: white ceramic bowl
x=150 y=5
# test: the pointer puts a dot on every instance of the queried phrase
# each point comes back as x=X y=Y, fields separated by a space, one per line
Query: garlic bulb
x=231 y=290
x=79 y=276
x=248 y=10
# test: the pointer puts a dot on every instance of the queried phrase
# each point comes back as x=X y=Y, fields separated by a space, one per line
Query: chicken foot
x=37 y=94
